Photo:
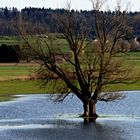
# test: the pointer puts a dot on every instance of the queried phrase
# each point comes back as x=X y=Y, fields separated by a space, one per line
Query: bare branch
x=109 y=97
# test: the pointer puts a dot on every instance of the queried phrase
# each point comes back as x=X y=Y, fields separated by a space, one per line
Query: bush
x=10 y=53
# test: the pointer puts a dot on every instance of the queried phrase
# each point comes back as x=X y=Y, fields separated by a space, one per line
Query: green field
x=8 y=73
x=133 y=60
x=10 y=86
x=11 y=71
x=20 y=87
x=32 y=86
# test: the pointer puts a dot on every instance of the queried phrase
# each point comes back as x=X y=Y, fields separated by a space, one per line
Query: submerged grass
x=17 y=87
x=7 y=97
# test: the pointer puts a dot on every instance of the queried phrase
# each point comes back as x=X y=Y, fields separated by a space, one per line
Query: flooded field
x=35 y=117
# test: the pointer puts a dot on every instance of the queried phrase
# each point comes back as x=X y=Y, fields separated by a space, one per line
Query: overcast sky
x=75 y=4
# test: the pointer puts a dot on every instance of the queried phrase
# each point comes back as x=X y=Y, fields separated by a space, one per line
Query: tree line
x=44 y=20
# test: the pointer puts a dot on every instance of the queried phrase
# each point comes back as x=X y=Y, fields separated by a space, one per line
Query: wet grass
x=7 y=97
x=17 y=87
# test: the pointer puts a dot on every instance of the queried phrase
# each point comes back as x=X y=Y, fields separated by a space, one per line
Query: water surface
x=35 y=117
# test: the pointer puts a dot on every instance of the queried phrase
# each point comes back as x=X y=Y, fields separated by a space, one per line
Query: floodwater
x=35 y=117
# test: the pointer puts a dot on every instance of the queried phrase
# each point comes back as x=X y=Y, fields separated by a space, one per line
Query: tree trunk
x=89 y=109
x=86 y=109
x=92 y=109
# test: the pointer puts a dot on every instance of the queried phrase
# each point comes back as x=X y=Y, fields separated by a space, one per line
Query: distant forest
x=42 y=21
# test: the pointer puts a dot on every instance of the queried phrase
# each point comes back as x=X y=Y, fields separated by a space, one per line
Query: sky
x=75 y=4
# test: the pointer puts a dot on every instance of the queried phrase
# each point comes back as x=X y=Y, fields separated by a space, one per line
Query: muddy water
x=35 y=117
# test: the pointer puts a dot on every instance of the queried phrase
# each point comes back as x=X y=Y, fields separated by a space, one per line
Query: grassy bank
x=20 y=87
x=32 y=86
x=17 y=87
x=9 y=88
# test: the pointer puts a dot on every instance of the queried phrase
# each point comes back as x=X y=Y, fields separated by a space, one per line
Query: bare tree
x=90 y=64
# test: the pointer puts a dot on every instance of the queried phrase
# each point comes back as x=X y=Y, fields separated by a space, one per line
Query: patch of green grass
x=62 y=44
x=133 y=60
x=124 y=87
x=14 y=70
x=9 y=40
x=134 y=54
x=33 y=87
x=20 y=87
x=133 y=63
x=10 y=88
x=7 y=72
